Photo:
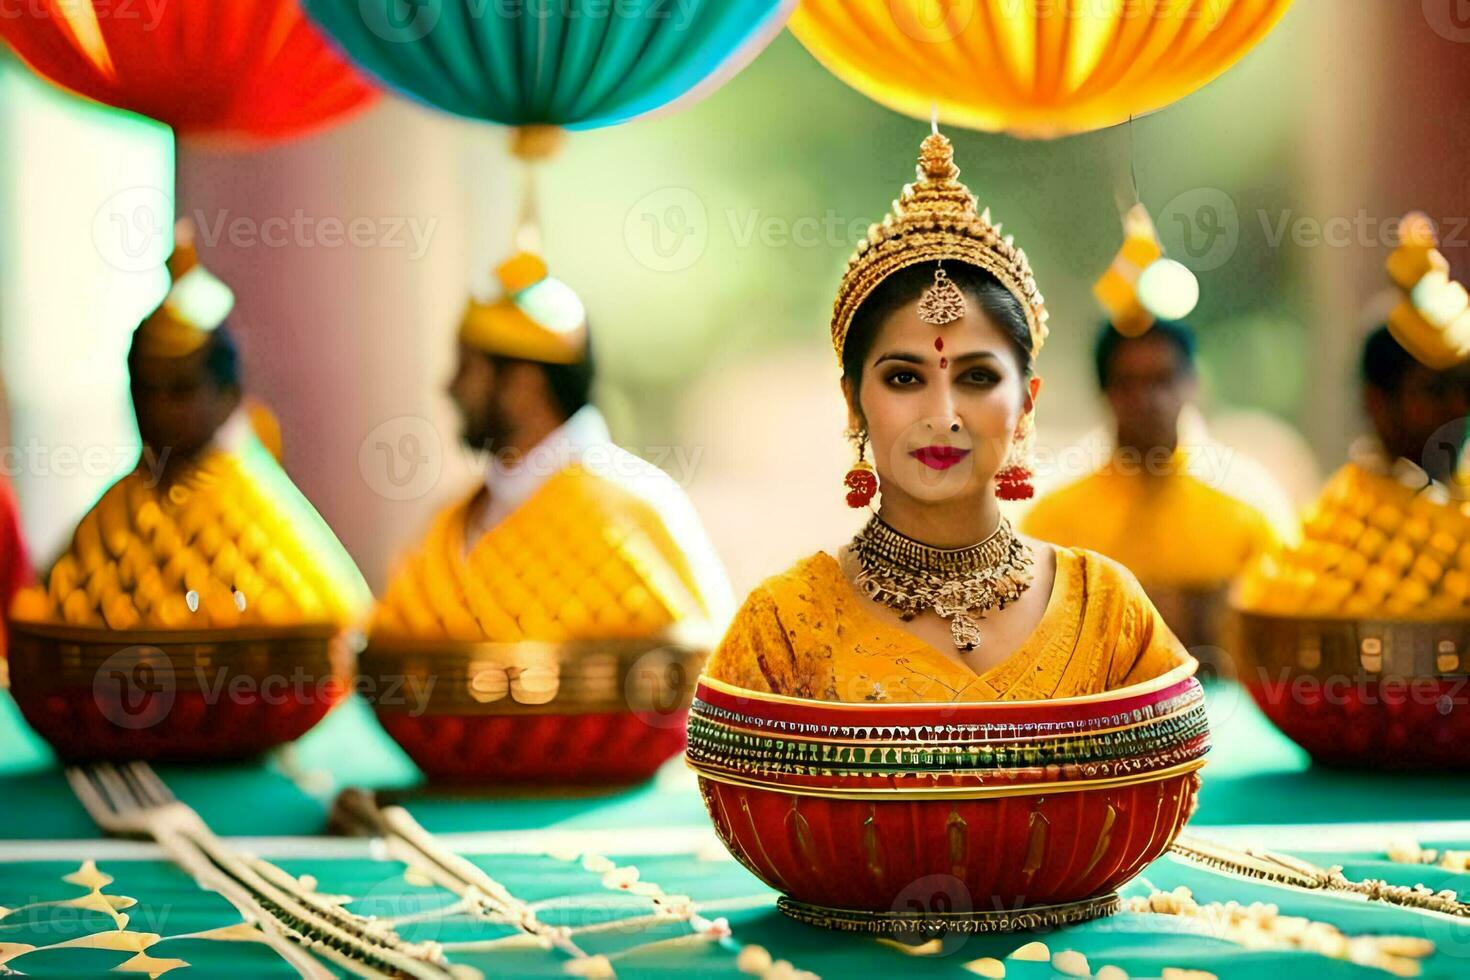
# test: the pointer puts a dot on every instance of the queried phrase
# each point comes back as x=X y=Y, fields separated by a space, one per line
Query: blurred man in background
x=1185 y=514
x=1418 y=414
x=522 y=386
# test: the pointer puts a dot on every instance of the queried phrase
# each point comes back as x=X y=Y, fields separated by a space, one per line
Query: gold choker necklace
x=960 y=584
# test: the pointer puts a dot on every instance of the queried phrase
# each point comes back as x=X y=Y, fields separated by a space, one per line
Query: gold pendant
x=966 y=631
x=943 y=302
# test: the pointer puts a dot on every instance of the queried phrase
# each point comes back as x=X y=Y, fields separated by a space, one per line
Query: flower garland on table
x=751 y=959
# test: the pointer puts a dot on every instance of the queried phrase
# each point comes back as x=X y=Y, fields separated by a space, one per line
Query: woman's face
x=941 y=404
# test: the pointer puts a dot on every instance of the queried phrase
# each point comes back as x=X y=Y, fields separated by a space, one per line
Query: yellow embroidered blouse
x=805 y=633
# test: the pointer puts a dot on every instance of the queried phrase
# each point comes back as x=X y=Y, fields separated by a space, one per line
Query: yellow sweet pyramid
x=227 y=542
x=583 y=559
x=1373 y=547
x=1432 y=321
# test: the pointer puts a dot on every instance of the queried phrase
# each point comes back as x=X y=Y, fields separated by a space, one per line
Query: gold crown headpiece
x=936 y=218
x=537 y=318
x=196 y=304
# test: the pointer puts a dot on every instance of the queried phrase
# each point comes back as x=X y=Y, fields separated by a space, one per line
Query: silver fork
x=130 y=800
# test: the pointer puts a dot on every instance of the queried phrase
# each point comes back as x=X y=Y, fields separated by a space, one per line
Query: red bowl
x=1374 y=694
x=976 y=816
x=600 y=747
x=604 y=712
x=176 y=697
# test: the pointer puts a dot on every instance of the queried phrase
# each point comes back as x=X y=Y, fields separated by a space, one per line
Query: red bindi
x=939 y=343
x=944 y=362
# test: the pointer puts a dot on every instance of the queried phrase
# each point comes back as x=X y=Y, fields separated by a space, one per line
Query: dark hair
x=221 y=357
x=1176 y=333
x=570 y=384
x=1384 y=363
x=907 y=284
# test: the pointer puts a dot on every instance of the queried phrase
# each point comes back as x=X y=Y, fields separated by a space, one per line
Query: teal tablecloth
x=1257 y=786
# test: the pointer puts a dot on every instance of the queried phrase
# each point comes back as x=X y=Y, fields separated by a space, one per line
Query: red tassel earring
x=1013 y=482
x=862 y=480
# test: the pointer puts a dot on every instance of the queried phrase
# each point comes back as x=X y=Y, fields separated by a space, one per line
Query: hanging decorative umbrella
x=576 y=64
x=238 y=70
x=1032 y=69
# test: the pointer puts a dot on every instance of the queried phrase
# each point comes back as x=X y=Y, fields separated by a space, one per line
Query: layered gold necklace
x=960 y=584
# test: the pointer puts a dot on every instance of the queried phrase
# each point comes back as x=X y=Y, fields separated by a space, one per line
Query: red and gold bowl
x=968 y=816
x=175 y=696
x=1381 y=694
x=584 y=712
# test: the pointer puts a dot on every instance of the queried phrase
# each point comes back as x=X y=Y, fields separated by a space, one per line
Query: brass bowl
x=175 y=695
x=593 y=711
x=1381 y=693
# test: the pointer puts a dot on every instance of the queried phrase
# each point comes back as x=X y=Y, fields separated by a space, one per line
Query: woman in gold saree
x=937 y=325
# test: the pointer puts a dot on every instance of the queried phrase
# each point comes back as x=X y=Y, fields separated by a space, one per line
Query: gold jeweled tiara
x=936 y=218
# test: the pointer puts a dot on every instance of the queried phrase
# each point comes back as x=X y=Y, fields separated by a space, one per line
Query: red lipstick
x=940 y=457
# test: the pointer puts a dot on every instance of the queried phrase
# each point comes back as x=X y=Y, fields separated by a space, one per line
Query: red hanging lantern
x=237 y=70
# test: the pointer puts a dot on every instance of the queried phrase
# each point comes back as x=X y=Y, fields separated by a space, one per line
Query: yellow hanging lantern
x=1034 y=68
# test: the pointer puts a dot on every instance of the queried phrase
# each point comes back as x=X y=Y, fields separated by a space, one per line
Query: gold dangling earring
x=862 y=480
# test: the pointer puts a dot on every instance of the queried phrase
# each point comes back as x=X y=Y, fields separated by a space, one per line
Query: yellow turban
x=196 y=304
x=537 y=318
